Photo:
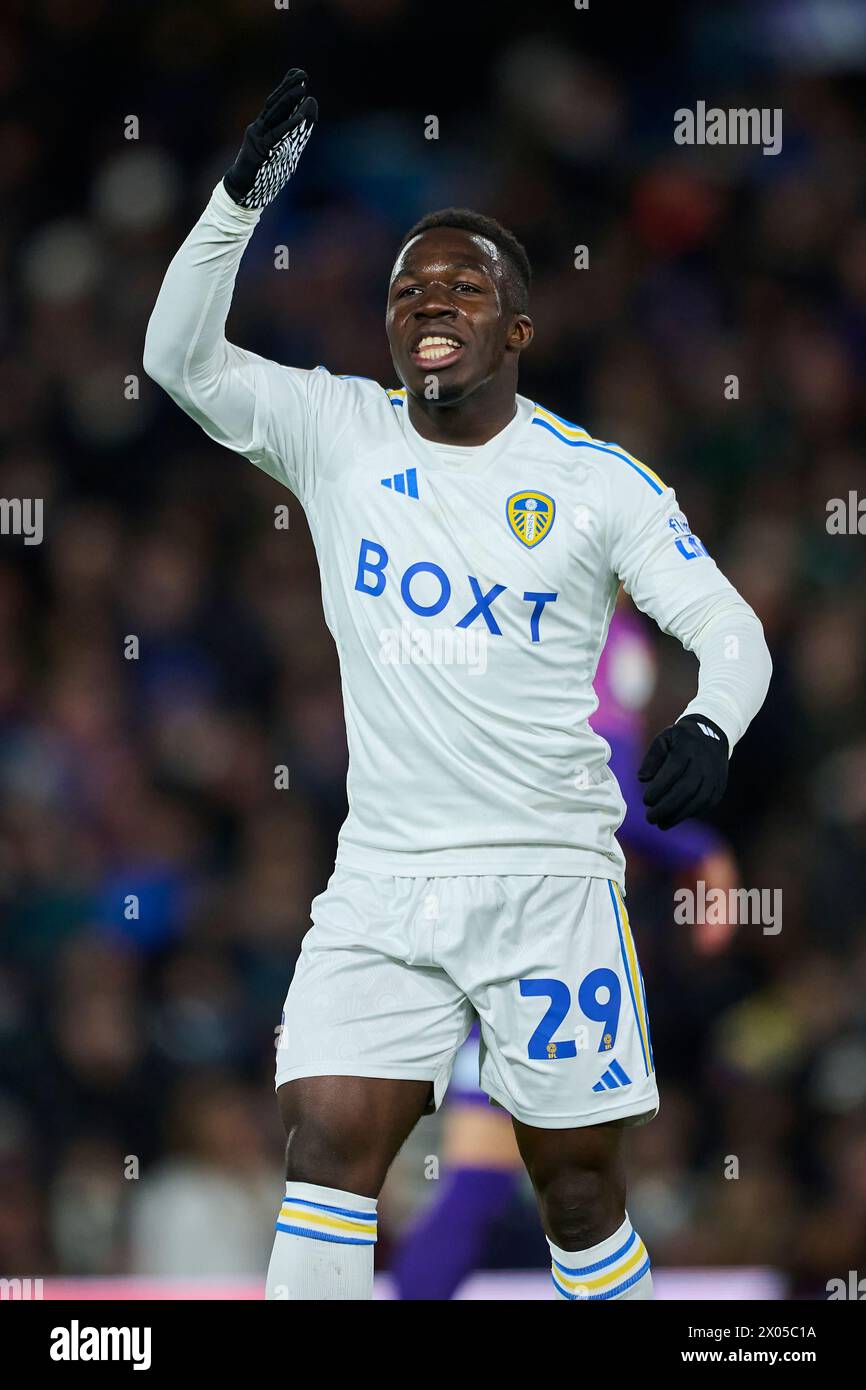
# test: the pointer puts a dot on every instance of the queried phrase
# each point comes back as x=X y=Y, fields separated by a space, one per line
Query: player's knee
x=331 y=1153
x=580 y=1206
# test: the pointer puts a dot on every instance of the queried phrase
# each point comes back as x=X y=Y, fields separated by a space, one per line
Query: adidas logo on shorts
x=613 y=1078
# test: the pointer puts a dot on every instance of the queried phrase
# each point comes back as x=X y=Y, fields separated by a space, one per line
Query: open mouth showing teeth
x=436 y=348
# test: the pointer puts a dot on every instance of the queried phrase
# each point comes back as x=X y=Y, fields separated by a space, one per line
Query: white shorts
x=395 y=971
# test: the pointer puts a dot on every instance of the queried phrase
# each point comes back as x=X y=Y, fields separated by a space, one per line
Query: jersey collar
x=461 y=458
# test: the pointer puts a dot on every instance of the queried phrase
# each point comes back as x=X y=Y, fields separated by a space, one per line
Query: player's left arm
x=672 y=578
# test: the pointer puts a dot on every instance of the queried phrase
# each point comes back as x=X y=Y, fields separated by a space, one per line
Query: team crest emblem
x=530 y=516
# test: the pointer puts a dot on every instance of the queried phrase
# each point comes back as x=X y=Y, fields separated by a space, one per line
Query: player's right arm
x=258 y=408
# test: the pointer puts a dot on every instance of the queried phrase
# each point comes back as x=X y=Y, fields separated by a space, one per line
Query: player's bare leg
x=346 y=1131
x=579 y=1182
x=343 y=1134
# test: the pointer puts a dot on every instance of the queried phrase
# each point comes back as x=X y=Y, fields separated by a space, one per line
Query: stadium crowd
x=163 y=651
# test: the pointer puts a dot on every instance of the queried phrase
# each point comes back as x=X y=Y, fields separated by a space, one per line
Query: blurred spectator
x=209 y=1207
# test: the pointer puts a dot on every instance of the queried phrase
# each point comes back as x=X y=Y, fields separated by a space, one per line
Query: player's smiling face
x=448 y=315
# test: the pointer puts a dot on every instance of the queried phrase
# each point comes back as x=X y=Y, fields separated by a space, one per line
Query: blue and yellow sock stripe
x=608 y=1278
x=632 y=970
x=317 y=1221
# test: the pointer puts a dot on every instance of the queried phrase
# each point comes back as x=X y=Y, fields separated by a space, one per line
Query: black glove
x=685 y=769
x=273 y=143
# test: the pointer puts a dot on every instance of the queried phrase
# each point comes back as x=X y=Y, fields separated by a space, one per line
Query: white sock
x=617 y=1267
x=323 y=1248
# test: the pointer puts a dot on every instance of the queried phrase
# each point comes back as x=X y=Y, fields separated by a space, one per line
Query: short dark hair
x=518 y=269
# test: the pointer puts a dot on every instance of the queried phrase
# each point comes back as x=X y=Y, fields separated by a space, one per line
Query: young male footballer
x=478 y=873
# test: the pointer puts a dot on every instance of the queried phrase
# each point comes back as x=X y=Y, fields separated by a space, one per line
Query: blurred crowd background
x=136 y=1052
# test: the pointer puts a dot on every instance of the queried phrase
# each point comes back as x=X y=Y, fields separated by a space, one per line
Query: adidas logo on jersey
x=612 y=1079
x=407 y=482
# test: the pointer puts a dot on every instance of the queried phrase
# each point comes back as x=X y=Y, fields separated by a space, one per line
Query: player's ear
x=520 y=334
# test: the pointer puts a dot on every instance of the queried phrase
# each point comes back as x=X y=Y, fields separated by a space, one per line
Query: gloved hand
x=685 y=771
x=273 y=144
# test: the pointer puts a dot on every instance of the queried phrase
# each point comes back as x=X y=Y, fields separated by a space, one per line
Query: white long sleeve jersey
x=468 y=591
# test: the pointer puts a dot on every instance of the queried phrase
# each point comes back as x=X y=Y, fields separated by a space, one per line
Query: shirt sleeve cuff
x=228 y=214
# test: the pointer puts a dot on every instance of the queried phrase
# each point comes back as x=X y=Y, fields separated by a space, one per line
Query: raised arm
x=228 y=391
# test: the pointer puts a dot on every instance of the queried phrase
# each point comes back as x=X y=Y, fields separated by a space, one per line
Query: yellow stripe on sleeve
x=573 y=431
